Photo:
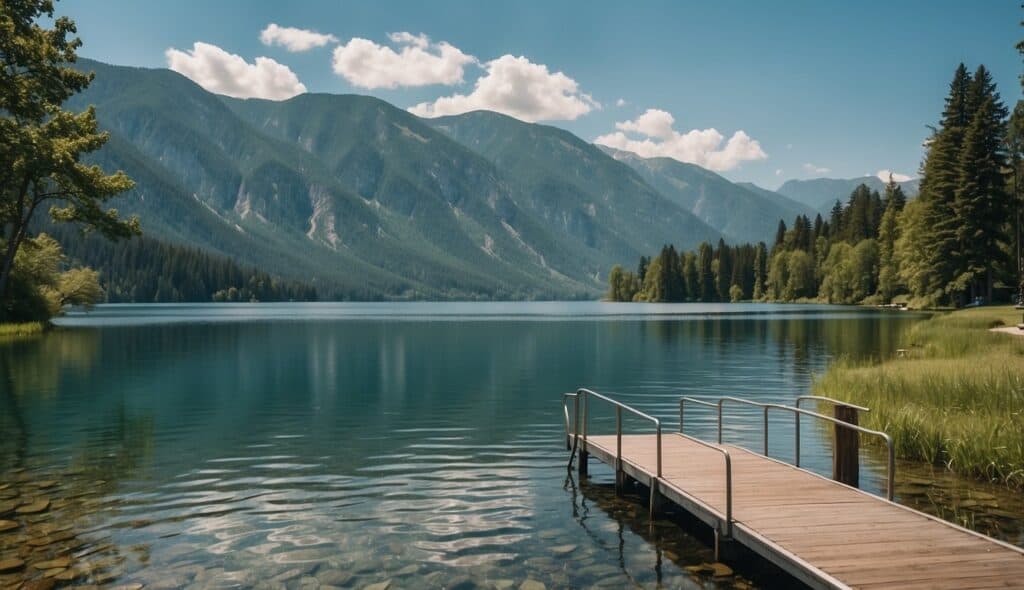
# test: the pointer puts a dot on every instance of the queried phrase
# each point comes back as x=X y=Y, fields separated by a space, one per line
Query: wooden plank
x=826 y=534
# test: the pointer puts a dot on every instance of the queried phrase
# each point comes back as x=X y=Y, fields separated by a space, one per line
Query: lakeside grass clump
x=956 y=399
x=17 y=330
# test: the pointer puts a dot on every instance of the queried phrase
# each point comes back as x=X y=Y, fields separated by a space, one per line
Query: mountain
x=575 y=188
x=364 y=200
x=821 y=193
x=742 y=212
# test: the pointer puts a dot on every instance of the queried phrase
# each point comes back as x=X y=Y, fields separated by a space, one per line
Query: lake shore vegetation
x=955 y=399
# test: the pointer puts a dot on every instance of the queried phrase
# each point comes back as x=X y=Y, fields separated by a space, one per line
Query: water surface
x=422 y=443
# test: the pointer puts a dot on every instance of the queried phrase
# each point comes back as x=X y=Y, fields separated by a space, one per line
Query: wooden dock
x=824 y=533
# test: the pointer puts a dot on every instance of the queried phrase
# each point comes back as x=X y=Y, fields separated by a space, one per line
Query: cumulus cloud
x=703 y=147
x=818 y=170
x=621 y=102
x=226 y=73
x=519 y=88
x=778 y=172
x=293 y=39
x=418 y=62
x=883 y=175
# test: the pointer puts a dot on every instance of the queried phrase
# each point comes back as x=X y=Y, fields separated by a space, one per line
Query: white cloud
x=778 y=172
x=226 y=73
x=519 y=88
x=621 y=102
x=883 y=175
x=818 y=170
x=698 y=146
x=293 y=39
x=418 y=62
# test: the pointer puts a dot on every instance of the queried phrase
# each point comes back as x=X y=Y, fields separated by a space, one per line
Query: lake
x=336 y=444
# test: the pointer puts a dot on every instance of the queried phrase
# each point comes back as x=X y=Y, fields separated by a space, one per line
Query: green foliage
x=735 y=293
x=41 y=285
x=149 y=271
x=22 y=329
x=957 y=400
x=41 y=145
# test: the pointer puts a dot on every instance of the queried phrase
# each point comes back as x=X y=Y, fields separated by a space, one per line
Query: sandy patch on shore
x=1008 y=330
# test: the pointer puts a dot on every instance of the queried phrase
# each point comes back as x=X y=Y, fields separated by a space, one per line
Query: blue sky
x=793 y=90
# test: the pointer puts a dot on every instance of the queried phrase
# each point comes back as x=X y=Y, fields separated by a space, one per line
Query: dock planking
x=824 y=533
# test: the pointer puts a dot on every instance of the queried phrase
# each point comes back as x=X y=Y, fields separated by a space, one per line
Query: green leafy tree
x=40 y=143
x=43 y=287
x=616 y=279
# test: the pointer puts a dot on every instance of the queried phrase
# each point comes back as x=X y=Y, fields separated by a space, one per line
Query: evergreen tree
x=980 y=203
x=931 y=254
x=760 y=270
x=705 y=258
x=780 y=236
x=723 y=274
x=691 y=279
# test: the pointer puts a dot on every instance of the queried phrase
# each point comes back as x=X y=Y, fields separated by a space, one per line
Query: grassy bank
x=23 y=329
x=957 y=399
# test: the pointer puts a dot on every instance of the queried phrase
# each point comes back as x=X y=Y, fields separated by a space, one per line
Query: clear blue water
x=346 y=444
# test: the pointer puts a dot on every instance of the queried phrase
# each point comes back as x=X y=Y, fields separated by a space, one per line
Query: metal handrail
x=797 y=411
x=728 y=476
x=833 y=401
x=565 y=410
x=586 y=394
x=682 y=404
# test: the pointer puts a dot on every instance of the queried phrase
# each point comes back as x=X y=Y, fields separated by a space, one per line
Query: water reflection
x=360 y=449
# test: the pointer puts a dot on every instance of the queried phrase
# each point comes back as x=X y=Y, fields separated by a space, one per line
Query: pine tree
x=780 y=236
x=980 y=203
x=760 y=270
x=691 y=280
x=723 y=276
x=930 y=253
x=705 y=258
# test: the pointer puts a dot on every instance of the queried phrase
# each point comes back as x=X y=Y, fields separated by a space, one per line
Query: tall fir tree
x=705 y=260
x=931 y=255
x=981 y=204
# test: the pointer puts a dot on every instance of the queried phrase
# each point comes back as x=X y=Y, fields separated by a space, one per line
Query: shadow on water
x=683 y=544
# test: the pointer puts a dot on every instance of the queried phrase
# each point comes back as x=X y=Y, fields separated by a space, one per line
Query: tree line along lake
x=365 y=443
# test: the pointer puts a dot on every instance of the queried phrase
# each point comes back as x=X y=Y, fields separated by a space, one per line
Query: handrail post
x=797 y=442
x=891 y=468
x=682 y=402
x=618 y=450
x=765 y=431
x=720 y=401
x=658 y=437
x=584 y=455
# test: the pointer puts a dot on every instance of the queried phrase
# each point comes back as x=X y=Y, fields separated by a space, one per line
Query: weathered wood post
x=846 y=454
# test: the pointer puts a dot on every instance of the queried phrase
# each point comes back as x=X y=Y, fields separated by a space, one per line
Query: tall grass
x=22 y=329
x=957 y=399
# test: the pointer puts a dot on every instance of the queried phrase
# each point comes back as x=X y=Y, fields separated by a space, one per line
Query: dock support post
x=725 y=547
x=845 y=455
x=654 y=505
x=584 y=455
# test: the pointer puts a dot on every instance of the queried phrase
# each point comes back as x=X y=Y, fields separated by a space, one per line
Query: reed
x=957 y=399
x=22 y=329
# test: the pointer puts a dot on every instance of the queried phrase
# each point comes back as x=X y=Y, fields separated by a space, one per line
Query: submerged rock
x=35 y=507
x=10 y=565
